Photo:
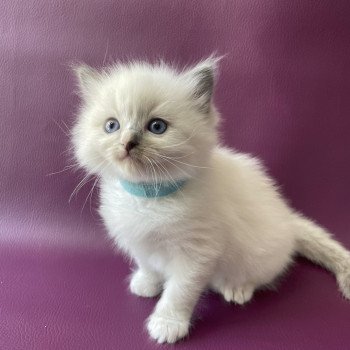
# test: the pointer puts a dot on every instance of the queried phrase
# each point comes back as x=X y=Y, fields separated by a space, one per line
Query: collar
x=149 y=190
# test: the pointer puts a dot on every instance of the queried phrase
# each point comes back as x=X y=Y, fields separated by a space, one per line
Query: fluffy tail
x=317 y=245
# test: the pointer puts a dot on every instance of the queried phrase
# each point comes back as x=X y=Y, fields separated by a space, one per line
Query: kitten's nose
x=130 y=145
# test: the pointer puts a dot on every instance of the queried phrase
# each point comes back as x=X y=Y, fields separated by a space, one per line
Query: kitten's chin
x=132 y=169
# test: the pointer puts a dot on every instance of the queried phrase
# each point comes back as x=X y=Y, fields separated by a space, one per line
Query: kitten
x=191 y=214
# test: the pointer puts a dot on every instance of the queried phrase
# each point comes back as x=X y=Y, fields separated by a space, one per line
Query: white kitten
x=192 y=214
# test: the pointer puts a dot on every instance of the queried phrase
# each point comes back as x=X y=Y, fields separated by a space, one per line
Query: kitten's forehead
x=146 y=85
x=139 y=92
x=135 y=100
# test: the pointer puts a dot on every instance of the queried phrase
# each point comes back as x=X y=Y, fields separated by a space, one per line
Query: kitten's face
x=145 y=123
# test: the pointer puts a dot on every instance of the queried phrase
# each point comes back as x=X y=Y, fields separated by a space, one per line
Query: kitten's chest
x=131 y=219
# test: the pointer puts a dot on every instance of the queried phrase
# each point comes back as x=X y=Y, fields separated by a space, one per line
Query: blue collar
x=149 y=190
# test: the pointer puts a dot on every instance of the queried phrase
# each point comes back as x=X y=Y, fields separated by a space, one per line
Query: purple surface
x=284 y=92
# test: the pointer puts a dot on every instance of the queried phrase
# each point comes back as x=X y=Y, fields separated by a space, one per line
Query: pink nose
x=130 y=145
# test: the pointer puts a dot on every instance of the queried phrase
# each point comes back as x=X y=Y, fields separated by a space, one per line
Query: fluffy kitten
x=222 y=225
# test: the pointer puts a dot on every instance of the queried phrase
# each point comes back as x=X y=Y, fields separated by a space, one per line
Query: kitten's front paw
x=167 y=329
x=145 y=284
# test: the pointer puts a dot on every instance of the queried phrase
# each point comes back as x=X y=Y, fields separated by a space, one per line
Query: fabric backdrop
x=284 y=93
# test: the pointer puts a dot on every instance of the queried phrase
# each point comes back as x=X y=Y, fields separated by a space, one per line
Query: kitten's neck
x=151 y=190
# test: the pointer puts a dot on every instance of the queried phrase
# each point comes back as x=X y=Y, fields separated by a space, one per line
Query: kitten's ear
x=202 y=78
x=88 y=79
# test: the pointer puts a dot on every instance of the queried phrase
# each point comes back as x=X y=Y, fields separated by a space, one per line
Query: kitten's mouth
x=124 y=155
x=128 y=157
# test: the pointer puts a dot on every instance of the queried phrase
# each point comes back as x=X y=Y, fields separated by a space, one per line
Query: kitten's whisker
x=182 y=142
x=162 y=173
x=176 y=166
x=66 y=168
x=166 y=173
x=168 y=160
x=155 y=175
x=179 y=157
x=177 y=161
x=81 y=184
x=148 y=168
x=98 y=178
x=69 y=149
x=92 y=193
x=169 y=177
x=106 y=52
x=89 y=195
x=149 y=162
x=84 y=181
x=184 y=156
x=60 y=127
x=187 y=164
x=63 y=122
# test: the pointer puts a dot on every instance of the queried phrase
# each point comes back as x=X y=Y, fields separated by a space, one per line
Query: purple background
x=284 y=91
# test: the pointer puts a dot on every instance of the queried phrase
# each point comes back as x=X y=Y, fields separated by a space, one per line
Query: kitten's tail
x=316 y=244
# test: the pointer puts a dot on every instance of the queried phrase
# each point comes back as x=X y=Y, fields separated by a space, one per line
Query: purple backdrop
x=284 y=92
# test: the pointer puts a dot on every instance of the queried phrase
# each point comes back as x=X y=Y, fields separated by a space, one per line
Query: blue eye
x=157 y=126
x=112 y=125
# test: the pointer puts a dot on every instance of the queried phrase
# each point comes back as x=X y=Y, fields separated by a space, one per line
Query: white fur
x=227 y=229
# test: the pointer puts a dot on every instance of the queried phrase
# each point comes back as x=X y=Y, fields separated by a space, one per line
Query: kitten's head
x=145 y=122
